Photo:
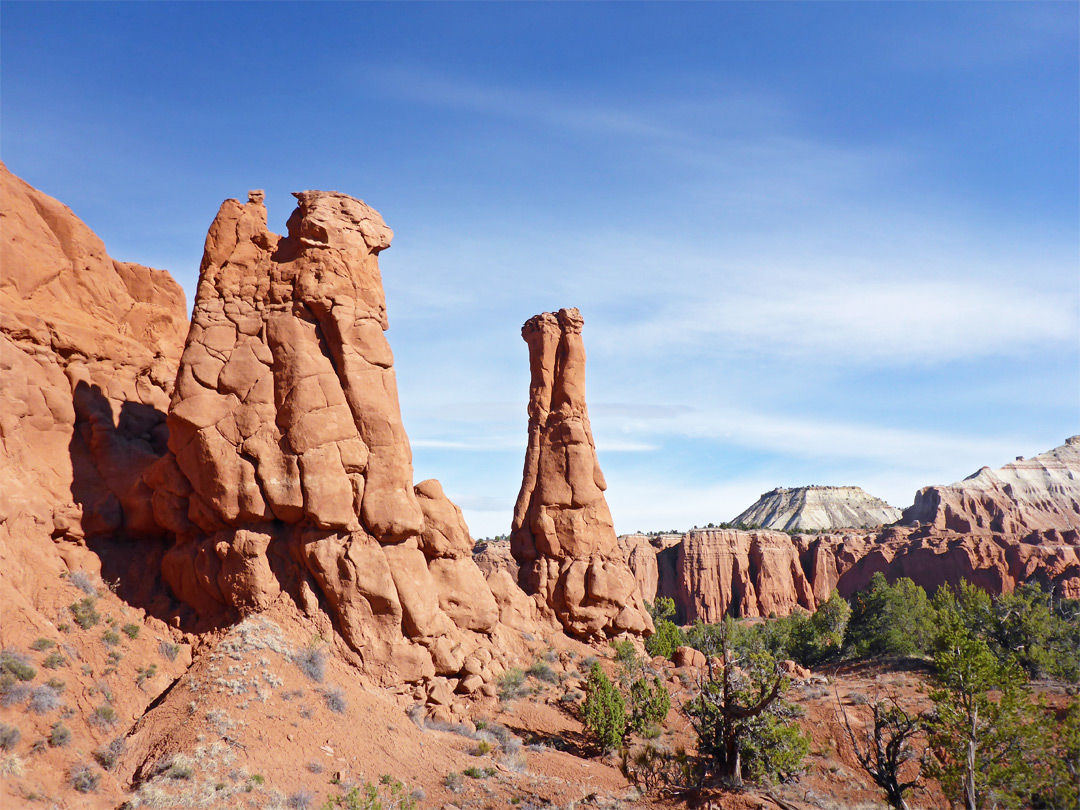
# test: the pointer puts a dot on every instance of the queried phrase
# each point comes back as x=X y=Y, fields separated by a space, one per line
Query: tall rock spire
x=563 y=536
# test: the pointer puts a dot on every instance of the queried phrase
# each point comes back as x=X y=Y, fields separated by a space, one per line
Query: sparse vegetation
x=16 y=664
x=453 y=782
x=334 y=696
x=54 y=660
x=542 y=672
x=42 y=644
x=479 y=773
x=144 y=674
x=110 y=638
x=312 y=662
x=131 y=631
x=168 y=650
x=84 y=612
x=625 y=652
x=103 y=716
x=9 y=736
x=512 y=685
x=300 y=799
x=388 y=794
x=108 y=755
x=44 y=699
x=59 y=735
x=84 y=779
x=82 y=581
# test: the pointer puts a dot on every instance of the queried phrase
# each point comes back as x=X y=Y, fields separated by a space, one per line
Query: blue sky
x=814 y=243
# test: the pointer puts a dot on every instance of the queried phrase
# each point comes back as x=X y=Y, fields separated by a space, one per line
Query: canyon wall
x=997 y=529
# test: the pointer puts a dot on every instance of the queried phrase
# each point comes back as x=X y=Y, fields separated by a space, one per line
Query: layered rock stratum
x=1030 y=495
x=562 y=536
x=289 y=470
x=997 y=529
x=818 y=508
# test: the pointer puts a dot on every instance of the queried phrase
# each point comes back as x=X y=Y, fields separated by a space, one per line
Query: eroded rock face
x=88 y=351
x=289 y=468
x=1030 y=495
x=818 y=508
x=563 y=537
x=758 y=573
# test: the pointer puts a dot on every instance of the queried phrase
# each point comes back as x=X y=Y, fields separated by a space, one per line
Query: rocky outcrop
x=818 y=508
x=758 y=573
x=1030 y=495
x=563 y=537
x=289 y=470
x=88 y=352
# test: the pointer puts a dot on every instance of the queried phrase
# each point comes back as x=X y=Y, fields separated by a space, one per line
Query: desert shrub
x=84 y=612
x=483 y=748
x=315 y=766
x=44 y=699
x=103 y=716
x=625 y=652
x=301 y=799
x=479 y=773
x=509 y=743
x=9 y=736
x=178 y=767
x=83 y=779
x=604 y=713
x=667 y=638
x=512 y=684
x=54 y=660
x=16 y=664
x=168 y=650
x=334 y=696
x=42 y=644
x=131 y=631
x=82 y=581
x=649 y=704
x=651 y=766
x=108 y=755
x=453 y=782
x=145 y=673
x=388 y=794
x=542 y=672
x=11 y=694
x=312 y=662
x=59 y=735
x=110 y=638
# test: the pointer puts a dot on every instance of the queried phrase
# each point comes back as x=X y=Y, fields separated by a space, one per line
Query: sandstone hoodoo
x=1030 y=495
x=288 y=465
x=818 y=508
x=563 y=537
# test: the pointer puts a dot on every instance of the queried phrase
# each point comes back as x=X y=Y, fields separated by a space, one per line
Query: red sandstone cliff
x=88 y=352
